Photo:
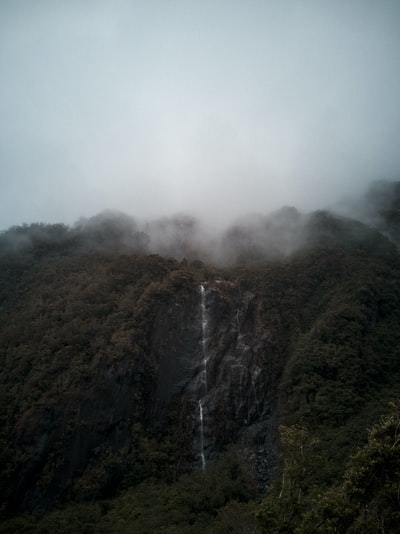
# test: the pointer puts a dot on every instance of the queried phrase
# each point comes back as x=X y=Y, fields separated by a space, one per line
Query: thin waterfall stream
x=203 y=459
x=203 y=372
x=204 y=336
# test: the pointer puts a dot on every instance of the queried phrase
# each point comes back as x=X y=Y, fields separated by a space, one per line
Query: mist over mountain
x=251 y=238
x=199 y=267
x=159 y=377
x=214 y=109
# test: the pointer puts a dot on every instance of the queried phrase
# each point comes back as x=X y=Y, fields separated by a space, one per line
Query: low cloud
x=215 y=109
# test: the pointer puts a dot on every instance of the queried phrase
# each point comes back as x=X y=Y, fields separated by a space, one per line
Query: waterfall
x=203 y=459
x=203 y=372
x=204 y=336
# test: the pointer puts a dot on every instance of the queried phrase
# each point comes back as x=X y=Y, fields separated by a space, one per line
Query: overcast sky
x=215 y=108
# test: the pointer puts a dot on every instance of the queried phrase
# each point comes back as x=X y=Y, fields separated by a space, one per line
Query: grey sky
x=216 y=108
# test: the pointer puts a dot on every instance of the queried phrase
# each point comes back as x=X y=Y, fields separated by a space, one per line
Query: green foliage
x=80 y=367
x=236 y=518
x=200 y=502
x=301 y=468
x=365 y=500
x=79 y=329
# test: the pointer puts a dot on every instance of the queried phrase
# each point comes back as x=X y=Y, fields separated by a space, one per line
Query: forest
x=156 y=382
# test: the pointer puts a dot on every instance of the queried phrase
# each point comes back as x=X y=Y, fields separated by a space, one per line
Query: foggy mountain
x=199 y=297
x=254 y=237
x=156 y=377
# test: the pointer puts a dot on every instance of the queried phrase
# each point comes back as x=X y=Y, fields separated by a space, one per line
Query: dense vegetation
x=86 y=446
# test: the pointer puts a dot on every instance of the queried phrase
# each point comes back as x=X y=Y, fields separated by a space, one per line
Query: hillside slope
x=123 y=369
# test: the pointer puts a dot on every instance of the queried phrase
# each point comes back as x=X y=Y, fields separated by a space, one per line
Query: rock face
x=222 y=364
x=81 y=436
x=235 y=408
x=71 y=434
x=216 y=356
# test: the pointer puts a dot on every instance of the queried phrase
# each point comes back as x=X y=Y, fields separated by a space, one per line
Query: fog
x=373 y=229
x=217 y=109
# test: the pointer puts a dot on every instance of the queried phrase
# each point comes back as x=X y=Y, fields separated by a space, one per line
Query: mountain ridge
x=102 y=371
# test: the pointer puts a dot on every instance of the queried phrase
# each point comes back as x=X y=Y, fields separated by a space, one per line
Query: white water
x=204 y=335
x=203 y=459
x=203 y=372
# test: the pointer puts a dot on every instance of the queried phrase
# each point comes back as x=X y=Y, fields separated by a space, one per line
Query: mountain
x=256 y=392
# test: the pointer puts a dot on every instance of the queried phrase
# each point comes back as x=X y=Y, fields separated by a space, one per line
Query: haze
x=214 y=108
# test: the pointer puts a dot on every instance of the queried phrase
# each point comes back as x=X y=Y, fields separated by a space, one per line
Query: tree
x=368 y=498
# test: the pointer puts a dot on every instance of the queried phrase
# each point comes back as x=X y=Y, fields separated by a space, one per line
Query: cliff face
x=93 y=395
x=230 y=377
x=211 y=350
x=119 y=368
